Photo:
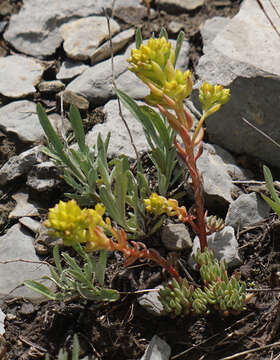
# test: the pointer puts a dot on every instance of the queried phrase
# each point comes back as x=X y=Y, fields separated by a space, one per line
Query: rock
x=176 y=237
x=27 y=309
x=31 y=224
x=70 y=69
x=51 y=86
x=2 y=319
x=119 y=142
x=247 y=210
x=19 y=76
x=70 y=97
x=95 y=84
x=235 y=59
x=218 y=168
x=157 y=349
x=175 y=6
x=20 y=165
x=14 y=273
x=224 y=245
x=210 y=29
x=175 y=26
x=82 y=37
x=35 y=30
x=43 y=176
x=3 y=25
x=23 y=206
x=20 y=118
x=150 y=302
x=118 y=42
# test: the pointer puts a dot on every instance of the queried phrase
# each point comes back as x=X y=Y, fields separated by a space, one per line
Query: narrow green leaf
x=274 y=206
x=77 y=125
x=269 y=184
x=57 y=259
x=76 y=348
x=179 y=42
x=101 y=267
x=109 y=201
x=138 y=38
x=163 y=33
x=40 y=288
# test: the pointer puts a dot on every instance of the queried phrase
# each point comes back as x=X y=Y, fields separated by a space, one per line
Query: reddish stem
x=190 y=159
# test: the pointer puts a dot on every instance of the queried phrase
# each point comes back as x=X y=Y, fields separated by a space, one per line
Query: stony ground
x=122 y=330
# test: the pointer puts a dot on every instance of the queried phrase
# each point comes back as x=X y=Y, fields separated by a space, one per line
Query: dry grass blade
x=267 y=16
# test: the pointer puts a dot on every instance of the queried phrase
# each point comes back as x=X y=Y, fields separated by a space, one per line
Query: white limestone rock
x=19 y=75
x=70 y=69
x=176 y=237
x=237 y=58
x=157 y=349
x=17 y=244
x=247 y=210
x=31 y=224
x=173 y=6
x=24 y=207
x=119 y=142
x=82 y=37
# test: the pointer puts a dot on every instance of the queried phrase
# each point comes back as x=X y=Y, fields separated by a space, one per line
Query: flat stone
x=82 y=37
x=35 y=30
x=175 y=26
x=24 y=207
x=19 y=76
x=118 y=42
x=20 y=165
x=150 y=302
x=176 y=237
x=43 y=177
x=95 y=84
x=157 y=349
x=50 y=86
x=224 y=245
x=173 y=6
x=247 y=210
x=211 y=28
x=236 y=60
x=13 y=274
x=70 y=69
x=218 y=168
x=70 y=97
x=20 y=118
x=119 y=142
x=31 y=224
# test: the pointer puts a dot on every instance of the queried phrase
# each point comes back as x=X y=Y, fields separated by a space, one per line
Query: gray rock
x=82 y=37
x=118 y=42
x=176 y=237
x=157 y=349
x=24 y=207
x=31 y=224
x=235 y=59
x=19 y=76
x=50 y=86
x=70 y=97
x=211 y=28
x=20 y=165
x=35 y=30
x=13 y=274
x=173 y=6
x=2 y=319
x=217 y=168
x=175 y=26
x=70 y=69
x=150 y=302
x=95 y=84
x=224 y=245
x=119 y=141
x=248 y=209
x=43 y=176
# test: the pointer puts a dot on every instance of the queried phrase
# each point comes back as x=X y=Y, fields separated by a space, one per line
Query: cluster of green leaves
x=86 y=282
x=227 y=295
x=274 y=203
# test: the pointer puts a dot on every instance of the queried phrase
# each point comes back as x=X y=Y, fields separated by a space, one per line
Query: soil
x=123 y=329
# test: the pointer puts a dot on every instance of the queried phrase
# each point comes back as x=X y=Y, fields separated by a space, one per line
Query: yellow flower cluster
x=154 y=65
x=73 y=225
x=212 y=97
x=158 y=205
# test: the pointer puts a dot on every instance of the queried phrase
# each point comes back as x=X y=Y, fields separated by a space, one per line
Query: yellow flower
x=68 y=221
x=212 y=97
x=158 y=205
x=97 y=240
